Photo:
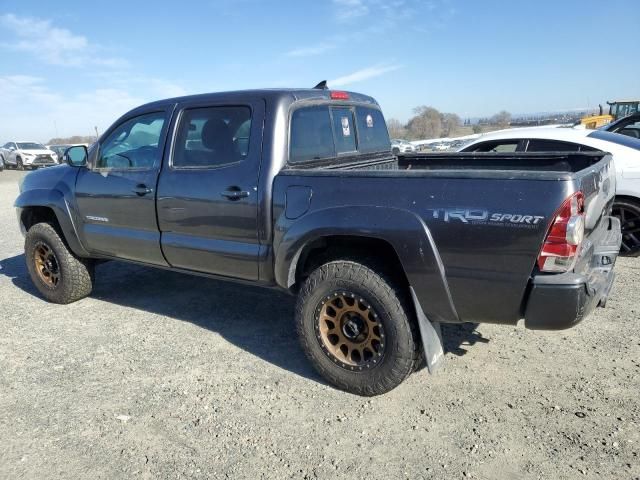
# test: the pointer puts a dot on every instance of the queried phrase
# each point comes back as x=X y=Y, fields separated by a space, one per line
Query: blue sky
x=67 y=66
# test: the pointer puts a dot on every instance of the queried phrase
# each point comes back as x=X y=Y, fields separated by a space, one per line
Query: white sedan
x=626 y=155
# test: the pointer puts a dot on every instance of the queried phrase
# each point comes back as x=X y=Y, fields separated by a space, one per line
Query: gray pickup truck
x=298 y=190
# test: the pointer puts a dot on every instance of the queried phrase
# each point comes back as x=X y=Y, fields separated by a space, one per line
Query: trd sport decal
x=484 y=217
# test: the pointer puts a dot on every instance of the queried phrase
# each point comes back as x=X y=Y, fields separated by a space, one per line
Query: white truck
x=26 y=155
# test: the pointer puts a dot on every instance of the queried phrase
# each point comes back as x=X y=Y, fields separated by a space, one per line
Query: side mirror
x=12 y=148
x=76 y=156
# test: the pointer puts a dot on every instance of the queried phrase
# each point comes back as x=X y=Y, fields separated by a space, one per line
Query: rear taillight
x=561 y=246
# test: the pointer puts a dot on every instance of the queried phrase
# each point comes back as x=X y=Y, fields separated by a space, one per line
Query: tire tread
x=77 y=274
x=396 y=303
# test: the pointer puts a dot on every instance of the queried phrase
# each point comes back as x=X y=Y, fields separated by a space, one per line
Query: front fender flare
x=56 y=201
x=405 y=231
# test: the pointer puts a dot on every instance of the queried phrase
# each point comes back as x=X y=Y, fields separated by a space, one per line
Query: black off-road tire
x=395 y=312
x=628 y=211
x=75 y=274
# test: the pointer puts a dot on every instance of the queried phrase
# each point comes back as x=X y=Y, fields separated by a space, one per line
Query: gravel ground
x=162 y=375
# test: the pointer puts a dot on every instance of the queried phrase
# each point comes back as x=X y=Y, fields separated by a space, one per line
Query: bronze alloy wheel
x=46 y=264
x=349 y=331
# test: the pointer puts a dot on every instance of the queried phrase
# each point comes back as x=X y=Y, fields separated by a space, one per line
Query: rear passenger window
x=538 y=145
x=212 y=136
x=311 y=134
x=344 y=130
x=372 y=131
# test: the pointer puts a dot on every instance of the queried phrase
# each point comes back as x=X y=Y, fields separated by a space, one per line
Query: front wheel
x=628 y=211
x=357 y=328
x=19 y=164
x=57 y=273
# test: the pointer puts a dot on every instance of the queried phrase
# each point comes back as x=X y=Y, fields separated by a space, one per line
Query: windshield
x=30 y=146
x=616 y=138
x=624 y=109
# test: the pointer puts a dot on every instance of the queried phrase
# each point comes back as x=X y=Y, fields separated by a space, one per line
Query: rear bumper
x=557 y=302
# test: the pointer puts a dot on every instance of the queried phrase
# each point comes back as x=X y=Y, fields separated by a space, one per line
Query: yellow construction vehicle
x=617 y=109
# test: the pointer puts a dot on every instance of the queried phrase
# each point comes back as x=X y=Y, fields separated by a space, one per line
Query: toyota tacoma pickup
x=299 y=190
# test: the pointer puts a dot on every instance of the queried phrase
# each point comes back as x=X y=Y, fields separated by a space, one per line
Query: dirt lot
x=161 y=375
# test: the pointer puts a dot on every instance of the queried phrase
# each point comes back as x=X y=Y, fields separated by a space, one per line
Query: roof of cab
x=274 y=94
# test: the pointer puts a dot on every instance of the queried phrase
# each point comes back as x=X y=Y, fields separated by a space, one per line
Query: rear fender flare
x=403 y=230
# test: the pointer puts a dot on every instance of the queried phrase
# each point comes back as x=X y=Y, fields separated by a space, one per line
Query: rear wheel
x=57 y=273
x=628 y=211
x=357 y=328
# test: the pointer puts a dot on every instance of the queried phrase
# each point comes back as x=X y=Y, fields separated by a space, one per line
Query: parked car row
x=31 y=155
x=59 y=150
x=399 y=146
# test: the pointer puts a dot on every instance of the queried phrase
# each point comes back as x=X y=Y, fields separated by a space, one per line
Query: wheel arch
x=35 y=206
x=327 y=248
x=627 y=197
x=629 y=245
x=368 y=231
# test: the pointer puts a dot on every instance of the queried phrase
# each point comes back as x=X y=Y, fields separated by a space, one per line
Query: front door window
x=133 y=144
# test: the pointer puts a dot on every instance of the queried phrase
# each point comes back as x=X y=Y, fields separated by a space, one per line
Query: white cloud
x=53 y=45
x=310 y=50
x=350 y=9
x=364 y=74
x=37 y=113
x=386 y=14
x=163 y=88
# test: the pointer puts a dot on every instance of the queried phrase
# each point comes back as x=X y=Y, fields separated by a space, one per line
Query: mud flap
x=431 y=337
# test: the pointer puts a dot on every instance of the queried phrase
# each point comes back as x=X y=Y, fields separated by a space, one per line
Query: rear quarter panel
x=486 y=263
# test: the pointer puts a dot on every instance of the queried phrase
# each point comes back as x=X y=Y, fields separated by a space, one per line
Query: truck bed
x=485 y=265
x=561 y=162
x=548 y=161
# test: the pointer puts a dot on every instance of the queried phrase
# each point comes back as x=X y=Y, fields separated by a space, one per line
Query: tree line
x=428 y=122
x=88 y=139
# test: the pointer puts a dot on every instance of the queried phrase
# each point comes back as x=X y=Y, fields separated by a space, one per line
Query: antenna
x=321 y=86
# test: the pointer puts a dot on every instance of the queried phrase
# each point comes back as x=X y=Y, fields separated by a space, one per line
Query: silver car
x=399 y=146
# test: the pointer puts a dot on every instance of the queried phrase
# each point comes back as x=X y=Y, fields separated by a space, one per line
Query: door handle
x=142 y=189
x=235 y=193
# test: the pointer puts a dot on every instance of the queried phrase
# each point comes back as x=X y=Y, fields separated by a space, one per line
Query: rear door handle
x=234 y=193
x=142 y=189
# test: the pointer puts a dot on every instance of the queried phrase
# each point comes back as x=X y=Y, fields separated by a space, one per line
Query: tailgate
x=598 y=184
x=561 y=300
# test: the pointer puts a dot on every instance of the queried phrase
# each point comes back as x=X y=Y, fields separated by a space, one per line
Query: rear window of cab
x=322 y=132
